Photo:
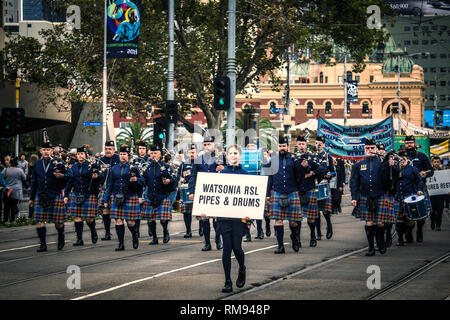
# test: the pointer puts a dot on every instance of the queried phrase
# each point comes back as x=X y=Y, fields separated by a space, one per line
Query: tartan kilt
x=324 y=205
x=291 y=213
x=88 y=209
x=57 y=212
x=129 y=211
x=186 y=208
x=386 y=210
x=268 y=207
x=101 y=201
x=311 y=210
x=163 y=212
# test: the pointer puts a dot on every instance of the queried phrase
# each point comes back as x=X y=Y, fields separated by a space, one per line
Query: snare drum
x=251 y=160
x=184 y=193
x=322 y=191
x=415 y=207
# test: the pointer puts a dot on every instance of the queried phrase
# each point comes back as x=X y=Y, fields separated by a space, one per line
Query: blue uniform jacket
x=421 y=162
x=46 y=181
x=152 y=180
x=367 y=178
x=289 y=176
x=409 y=182
x=319 y=173
x=119 y=182
x=81 y=181
x=204 y=163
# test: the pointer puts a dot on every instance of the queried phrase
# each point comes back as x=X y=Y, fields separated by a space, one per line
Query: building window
x=321 y=77
x=433 y=41
x=443 y=28
x=425 y=28
x=424 y=41
x=371 y=78
x=431 y=97
x=407 y=28
x=407 y=43
x=442 y=97
x=415 y=28
x=425 y=69
x=328 y=107
x=434 y=28
x=124 y=125
x=310 y=108
x=349 y=76
x=348 y=107
x=395 y=108
x=365 y=108
x=433 y=56
x=357 y=78
x=424 y=55
x=340 y=79
x=433 y=69
x=326 y=79
x=443 y=55
x=415 y=42
x=443 y=70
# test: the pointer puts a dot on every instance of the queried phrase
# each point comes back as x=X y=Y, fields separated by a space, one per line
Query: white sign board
x=230 y=195
x=439 y=183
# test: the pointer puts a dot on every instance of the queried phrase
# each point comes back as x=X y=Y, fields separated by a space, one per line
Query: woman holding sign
x=232 y=229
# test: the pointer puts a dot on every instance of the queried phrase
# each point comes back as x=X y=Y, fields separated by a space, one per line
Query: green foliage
x=134 y=132
x=264 y=30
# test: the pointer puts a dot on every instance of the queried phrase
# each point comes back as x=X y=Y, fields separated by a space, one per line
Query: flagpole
x=105 y=77
x=171 y=73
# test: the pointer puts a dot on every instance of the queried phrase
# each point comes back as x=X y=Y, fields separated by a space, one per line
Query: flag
x=123 y=28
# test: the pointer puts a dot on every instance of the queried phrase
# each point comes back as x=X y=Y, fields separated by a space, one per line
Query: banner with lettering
x=230 y=195
x=348 y=142
x=422 y=143
x=352 y=91
x=439 y=183
x=123 y=28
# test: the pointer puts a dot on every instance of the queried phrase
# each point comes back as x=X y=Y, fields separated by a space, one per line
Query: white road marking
x=26 y=247
x=160 y=275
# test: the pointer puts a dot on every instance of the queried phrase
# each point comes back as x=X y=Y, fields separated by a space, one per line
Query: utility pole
x=17 y=106
x=435 y=102
x=399 y=109
x=171 y=75
x=287 y=114
x=345 y=89
x=231 y=72
x=105 y=77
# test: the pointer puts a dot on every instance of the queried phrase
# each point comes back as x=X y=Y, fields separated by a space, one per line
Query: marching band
x=386 y=189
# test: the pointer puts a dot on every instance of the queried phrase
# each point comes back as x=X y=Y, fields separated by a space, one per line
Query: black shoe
x=61 y=241
x=370 y=253
x=107 y=237
x=188 y=235
x=166 y=237
x=207 y=247
x=94 y=237
x=240 y=282
x=248 y=238
x=280 y=250
x=228 y=287
x=319 y=237
x=42 y=248
x=329 y=232
x=268 y=233
x=219 y=245
x=79 y=242
x=154 y=241
x=313 y=242
x=295 y=245
x=135 y=241
x=438 y=228
x=121 y=247
x=382 y=250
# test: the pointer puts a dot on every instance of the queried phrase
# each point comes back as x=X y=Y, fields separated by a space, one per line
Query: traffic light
x=12 y=121
x=172 y=111
x=159 y=131
x=222 y=93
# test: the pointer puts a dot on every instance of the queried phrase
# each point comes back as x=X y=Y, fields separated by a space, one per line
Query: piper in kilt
x=47 y=183
x=209 y=161
x=422 y=163
x=109 y=160
x=125 y=188
x=312 y=170
x=408 y=182
x=83 y=188
x=186 y=207
x=367 y=193
x=159 y=184
x=325 y=205
x=285 y=175
x=140 y=162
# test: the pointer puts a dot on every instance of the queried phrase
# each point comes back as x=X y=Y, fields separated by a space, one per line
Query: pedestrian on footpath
x=15 y=178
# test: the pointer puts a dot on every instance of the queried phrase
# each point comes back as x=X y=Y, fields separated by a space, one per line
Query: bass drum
x=416 y=207
x=251 y=161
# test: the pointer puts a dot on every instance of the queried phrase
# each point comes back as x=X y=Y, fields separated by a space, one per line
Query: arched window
x=365 y=108
x=395 y=108
x=328 y=107
x=310 y=108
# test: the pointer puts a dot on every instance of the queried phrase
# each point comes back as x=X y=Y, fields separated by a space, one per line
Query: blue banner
x=124 y=24
x=348 y=142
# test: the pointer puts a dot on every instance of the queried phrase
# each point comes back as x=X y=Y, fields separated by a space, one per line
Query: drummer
x=186 y=206
x=409 y=182
x=421 y=162
x=324 y=205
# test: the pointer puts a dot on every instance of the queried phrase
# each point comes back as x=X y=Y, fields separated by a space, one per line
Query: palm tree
x=135 y=132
